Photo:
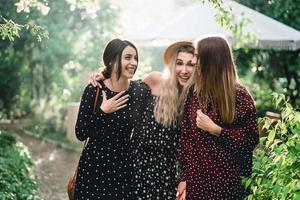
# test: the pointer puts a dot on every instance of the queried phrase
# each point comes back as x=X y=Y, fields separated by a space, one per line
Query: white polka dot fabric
x=105 y=168
x=154 y=156
x=212 y=166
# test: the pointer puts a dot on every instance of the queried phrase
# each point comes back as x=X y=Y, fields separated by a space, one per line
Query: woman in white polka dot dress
x=155 y=136
x=104 y=170
x=219 y=130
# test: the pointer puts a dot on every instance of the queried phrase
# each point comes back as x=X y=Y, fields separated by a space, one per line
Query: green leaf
x=247 y=183
x=271 y=136
x=296 y=196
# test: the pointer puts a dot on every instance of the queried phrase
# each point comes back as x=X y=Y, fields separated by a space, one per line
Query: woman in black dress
x=155 y=136
x=104 y=170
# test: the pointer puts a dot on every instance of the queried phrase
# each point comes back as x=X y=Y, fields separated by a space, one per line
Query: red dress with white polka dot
x=213 y=166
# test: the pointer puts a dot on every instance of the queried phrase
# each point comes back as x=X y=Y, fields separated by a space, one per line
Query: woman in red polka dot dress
x=219 y=129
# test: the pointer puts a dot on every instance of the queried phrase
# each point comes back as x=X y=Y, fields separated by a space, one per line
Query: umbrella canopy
x=197 y=20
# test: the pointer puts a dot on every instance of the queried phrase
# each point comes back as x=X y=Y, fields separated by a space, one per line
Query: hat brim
x=171 y=49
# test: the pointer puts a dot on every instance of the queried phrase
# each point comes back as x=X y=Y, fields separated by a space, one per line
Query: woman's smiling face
x=129 y=62
x=185 y=67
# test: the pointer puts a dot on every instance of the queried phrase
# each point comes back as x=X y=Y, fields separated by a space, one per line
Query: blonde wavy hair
x=167 y=105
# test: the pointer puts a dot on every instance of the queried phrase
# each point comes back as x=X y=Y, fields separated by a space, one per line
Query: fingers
x=199 y=112
x=104 y=96
x=179 y=197
x=120 y=107
x=100 y=77
x=181 y=191
x=199 y=122
x=183 y=196
x=115 y=103
x=117 y=96
x=198 y=119
x=201 y=117
x=95 y=77
x=92 y=81
x=122 y=102
x=122 y=98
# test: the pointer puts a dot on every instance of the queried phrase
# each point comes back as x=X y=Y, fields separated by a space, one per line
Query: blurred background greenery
x=55 y=44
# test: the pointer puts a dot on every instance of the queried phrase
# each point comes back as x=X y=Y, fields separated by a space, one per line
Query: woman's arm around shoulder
x=153 y=79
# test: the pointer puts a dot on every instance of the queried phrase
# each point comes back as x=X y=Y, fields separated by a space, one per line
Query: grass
x=56 y=138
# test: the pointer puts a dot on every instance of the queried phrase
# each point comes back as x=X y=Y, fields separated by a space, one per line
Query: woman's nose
x=133 y=62
x=184 y=70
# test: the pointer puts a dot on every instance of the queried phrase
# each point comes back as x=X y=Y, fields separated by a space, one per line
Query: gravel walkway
x=53 y=166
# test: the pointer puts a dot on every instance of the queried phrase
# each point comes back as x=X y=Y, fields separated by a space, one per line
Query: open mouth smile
x=184 y=78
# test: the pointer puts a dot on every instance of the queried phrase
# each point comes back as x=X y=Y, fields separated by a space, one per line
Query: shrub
x=276 y=169
x=17 y=181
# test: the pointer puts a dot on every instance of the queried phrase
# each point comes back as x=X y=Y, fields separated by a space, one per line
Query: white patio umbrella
x=197 y=20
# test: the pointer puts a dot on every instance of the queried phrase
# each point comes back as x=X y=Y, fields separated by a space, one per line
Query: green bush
x=276 y=169
x=17 y=181
x=261 y=93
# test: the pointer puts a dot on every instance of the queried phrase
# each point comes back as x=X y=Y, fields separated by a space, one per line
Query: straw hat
x=173 y=48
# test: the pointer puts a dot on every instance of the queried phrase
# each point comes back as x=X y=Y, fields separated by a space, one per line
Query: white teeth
x=185 y=78
x=131 y=71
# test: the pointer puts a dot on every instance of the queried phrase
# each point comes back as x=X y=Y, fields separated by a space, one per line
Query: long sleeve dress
x=213 y=166
x=154 y=156
x=105 y=170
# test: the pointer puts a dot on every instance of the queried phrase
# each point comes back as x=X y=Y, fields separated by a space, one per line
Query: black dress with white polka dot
x=154 y=156
x=105 y=169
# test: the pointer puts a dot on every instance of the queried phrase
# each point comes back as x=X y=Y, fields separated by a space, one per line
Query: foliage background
x=45 y=67
x=276 y=168
x=273 y=71
x=39 y=78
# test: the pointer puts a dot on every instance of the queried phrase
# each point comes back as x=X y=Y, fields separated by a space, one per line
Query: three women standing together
x=133 y=135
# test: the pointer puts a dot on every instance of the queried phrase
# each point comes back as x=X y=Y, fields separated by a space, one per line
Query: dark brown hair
x=113 y=55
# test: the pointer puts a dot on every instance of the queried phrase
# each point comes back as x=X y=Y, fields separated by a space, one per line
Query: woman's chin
x=183 y=82
x=129 y=76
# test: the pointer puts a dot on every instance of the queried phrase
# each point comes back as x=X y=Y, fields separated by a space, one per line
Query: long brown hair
x=216 y=76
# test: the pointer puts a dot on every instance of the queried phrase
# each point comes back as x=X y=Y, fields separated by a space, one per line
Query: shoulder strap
x=96 y=98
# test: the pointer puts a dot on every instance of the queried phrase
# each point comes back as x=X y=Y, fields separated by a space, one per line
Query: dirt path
x=53 y=166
